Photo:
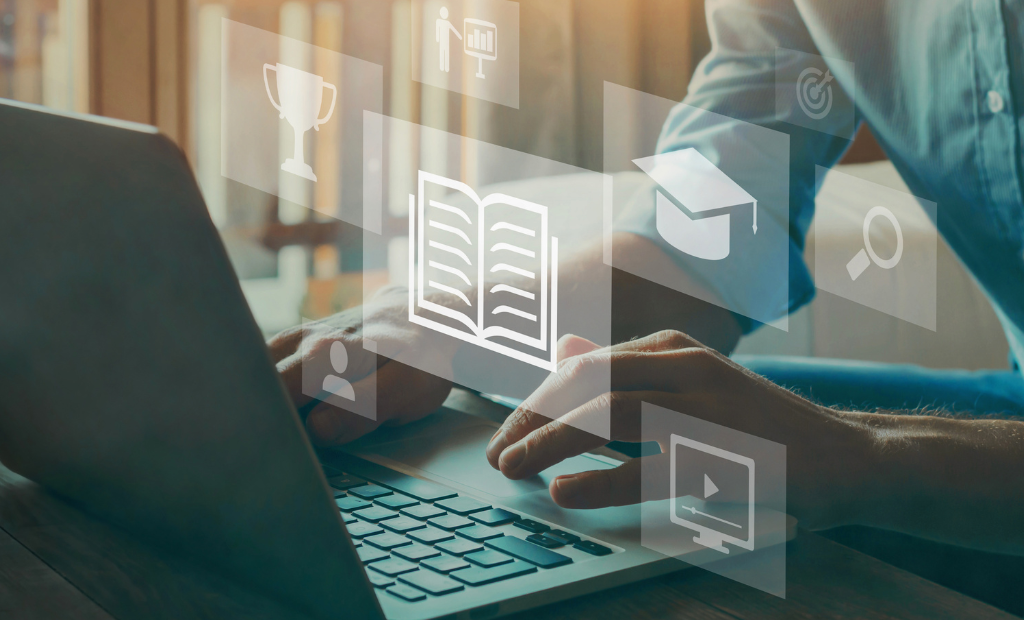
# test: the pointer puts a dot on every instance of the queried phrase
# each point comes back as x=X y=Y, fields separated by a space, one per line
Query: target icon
x=814 y=92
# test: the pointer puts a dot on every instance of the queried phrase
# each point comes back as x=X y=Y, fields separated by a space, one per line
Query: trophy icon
x=301 y=96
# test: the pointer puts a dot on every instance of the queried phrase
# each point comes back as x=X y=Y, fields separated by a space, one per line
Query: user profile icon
x=334 y=384
x=332 y=359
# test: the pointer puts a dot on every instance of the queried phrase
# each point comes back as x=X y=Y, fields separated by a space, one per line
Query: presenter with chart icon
x=488 y=31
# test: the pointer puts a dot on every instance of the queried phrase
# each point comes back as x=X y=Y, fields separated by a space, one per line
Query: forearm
x=954 y=480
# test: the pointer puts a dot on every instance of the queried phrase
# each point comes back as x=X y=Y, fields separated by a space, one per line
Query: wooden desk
x=57 y=562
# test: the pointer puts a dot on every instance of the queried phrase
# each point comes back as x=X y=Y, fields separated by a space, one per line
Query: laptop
x=135 y=382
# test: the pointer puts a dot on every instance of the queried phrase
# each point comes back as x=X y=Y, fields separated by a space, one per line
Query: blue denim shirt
x=939 y=82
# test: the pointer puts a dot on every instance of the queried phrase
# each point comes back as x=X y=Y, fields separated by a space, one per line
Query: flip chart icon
x=693 y=202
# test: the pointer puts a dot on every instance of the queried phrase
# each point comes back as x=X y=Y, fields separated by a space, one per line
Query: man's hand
x=826 y=449
x=403 y=393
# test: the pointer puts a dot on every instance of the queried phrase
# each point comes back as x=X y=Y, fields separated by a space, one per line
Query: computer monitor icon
x=732 y=523
x=480 y=42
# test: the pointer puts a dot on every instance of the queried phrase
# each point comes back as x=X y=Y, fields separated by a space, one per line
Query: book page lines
x=450 y=229
x=505 y=288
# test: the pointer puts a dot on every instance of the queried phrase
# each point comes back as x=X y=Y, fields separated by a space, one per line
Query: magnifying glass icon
x=860 y=262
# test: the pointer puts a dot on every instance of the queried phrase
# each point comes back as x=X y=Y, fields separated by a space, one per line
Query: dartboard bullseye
x=814 y=92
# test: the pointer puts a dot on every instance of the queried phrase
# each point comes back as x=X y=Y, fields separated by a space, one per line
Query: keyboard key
x=445 y=564
x=402 y=525
x=422 y=512
x=369 y=491
x=478 y=576
x=462 y=505
x=395 y=502
x=523 y=550
x=544 y=541
x=378 y=580
x=387 y=541
x=375 y=514
x=416 y=552
x=531 y=526
x=430 y=535
x=431 y=583
x=393 y=567
x=406 y=593
x=450 y=522
x=494 y=517
x=335 y=493
x=478 y=533
x=344 y=482
x=487 y=558
x=592 y=548
x=347 y=518
x=458 y=547
x=360 y=529
x=369 y=554
x=348 y=504
x=563 y=537
x=414 y=487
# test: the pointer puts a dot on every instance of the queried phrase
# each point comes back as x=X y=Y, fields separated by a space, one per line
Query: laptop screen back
x=133 y=378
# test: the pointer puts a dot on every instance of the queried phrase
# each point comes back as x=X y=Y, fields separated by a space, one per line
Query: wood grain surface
x=31 y=590
x=120 y=574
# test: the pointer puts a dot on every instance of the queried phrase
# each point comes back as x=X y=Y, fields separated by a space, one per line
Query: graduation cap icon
x=693 y=202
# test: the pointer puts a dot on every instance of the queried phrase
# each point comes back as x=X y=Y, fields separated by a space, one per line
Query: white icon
x=710 y=537
x=482 y=43
x=452 y=251
x=709 y=487
x=860 y=262
x=814 y=92
x=443 y=30
x=694 y=185
x=301 y=95
x=333 y=383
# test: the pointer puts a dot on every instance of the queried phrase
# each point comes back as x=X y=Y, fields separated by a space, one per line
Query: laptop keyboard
x=419 y=540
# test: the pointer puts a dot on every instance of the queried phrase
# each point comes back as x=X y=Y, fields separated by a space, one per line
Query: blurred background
x=158 y=62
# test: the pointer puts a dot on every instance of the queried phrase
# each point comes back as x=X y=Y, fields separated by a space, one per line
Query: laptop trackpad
x=458 y=456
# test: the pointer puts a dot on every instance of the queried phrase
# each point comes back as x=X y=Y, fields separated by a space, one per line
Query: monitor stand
x=711 y=542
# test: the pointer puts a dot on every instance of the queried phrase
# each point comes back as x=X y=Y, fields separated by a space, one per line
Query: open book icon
x=483 y=270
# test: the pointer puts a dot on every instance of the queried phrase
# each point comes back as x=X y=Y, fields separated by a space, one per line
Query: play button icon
x=709 y=487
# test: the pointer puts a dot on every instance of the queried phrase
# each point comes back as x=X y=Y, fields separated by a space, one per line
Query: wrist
x=872 y=469
x=832 y=482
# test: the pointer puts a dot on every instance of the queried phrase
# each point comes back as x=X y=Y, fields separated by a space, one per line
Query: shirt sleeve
x=737 y=80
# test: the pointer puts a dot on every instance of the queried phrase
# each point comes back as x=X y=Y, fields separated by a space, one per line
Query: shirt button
x=995 y=102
